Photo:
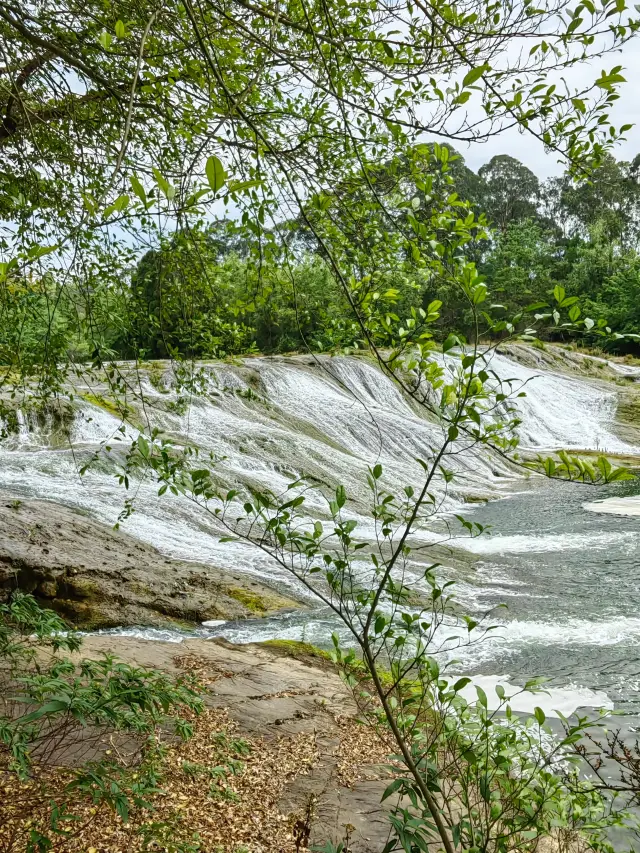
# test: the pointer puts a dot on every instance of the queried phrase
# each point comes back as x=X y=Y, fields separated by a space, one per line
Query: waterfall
x=561 y=411
x=272 y=420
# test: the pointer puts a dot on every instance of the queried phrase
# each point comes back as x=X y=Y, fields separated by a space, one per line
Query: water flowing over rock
x=272 y=420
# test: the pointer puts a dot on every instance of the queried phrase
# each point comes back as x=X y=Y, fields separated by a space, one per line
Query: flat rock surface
x=97 y=577
x=273 y=696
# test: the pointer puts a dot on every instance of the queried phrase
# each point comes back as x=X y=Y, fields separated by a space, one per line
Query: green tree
x=183 y=300
x=510 y=191
x=124 y=124
x=606 y=276
x=520 y=267
x=609 y=198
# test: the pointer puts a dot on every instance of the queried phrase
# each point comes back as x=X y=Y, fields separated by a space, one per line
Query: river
x=569 y=576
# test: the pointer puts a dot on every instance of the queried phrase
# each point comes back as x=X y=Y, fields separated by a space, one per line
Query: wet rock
x=98 y=577
x=47 y=589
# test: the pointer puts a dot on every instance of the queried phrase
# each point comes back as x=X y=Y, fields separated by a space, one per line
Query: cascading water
x=270 y=421
x=561 y=411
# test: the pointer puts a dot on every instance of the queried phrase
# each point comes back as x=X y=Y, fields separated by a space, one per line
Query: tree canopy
x=125 y=124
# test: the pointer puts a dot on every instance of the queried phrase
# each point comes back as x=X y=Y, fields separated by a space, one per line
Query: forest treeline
x=210 y=291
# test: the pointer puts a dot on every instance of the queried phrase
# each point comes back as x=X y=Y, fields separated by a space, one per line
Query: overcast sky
x=530 y=152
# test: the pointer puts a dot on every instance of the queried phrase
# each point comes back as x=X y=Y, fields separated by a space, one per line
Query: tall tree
x=510 y=192
x=609 y=196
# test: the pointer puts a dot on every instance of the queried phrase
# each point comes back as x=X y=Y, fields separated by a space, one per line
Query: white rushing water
x=563 y=411
x=271 y=421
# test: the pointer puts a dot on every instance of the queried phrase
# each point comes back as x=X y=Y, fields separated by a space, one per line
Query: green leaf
x=118 y=205
x=540 y=715
x=482 y=696
x=569 y=300
x=121 y=31
x=168 y=190
x=143 y=446
x=52 y=707
x=341 y=497
x=391 y=789
x=215 y=173
x=479 y=294
x=451 y=342
x=558 y=293
x=138 y=189
x=485 y=790
x=475 y=74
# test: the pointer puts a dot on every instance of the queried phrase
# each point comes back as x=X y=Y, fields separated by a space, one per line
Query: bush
x=59 y=714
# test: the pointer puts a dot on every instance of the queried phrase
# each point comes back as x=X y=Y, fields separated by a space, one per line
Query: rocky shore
x=98 y=577
x=287 y=698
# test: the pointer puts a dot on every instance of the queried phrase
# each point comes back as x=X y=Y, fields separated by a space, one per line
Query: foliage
x=56 y=715
x=468 y=772
x=126 y=131
x=180 y=301
x=510 y=191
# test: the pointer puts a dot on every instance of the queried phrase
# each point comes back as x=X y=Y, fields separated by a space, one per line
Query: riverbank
x=277 y=761
x=97 y=577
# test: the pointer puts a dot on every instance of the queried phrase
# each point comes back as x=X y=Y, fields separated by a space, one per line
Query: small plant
x=237 y=746
x=167 y=836
x=47 y=699
x=223 y=792
x=248 y=394
x=193 y=769
x=178 y=406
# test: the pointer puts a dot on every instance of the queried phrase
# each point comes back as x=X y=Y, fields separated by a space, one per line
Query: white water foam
x=629 y=505
x=522 y=544
x=561 y=411
x=552 y=700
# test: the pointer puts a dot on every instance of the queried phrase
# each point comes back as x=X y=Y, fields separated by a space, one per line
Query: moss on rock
x=108 y=405
x=256 y=603
x=297 y=649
